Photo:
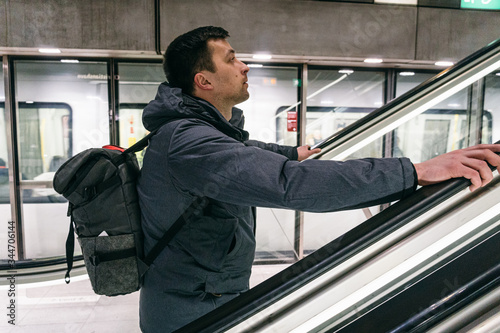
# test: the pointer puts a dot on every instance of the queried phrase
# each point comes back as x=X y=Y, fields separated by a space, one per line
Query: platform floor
x=74 y=308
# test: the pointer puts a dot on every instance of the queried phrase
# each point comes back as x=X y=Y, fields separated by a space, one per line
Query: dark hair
x=188 y=54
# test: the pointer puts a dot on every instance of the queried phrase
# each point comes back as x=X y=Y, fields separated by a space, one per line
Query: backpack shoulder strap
x=196 y=205
x=141 y=144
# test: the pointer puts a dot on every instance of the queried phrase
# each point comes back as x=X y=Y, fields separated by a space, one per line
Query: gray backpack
x=100 y=185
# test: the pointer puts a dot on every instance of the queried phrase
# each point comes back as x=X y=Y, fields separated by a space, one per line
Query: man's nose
x=245 y=68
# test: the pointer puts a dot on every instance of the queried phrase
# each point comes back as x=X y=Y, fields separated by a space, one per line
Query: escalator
x=427 y=263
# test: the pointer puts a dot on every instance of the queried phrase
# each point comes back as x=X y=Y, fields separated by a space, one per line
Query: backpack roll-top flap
x=101 y=186
x=85 y=170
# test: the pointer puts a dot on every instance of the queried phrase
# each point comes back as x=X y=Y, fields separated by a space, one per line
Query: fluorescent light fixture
x=262 y=56
x=407 y=73
x=346 y=71
x=49 y=51
x=398 y=2
x=373 y=61
x=30 y=102
x=70 y=61
x=255 y=65
x=443 y=63
x=497 y=74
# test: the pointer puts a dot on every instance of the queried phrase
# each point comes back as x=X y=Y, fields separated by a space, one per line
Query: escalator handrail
x=37 y=263
x=454 y=301
x=327 y=257
x=392 y=107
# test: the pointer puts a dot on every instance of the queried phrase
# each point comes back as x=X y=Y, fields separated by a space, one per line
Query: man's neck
x=225 y=111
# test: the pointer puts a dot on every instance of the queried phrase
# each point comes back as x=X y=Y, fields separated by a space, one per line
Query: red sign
x=291 y=121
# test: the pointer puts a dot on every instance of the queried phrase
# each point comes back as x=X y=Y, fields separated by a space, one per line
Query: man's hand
x=470 y=163
x=305 y=152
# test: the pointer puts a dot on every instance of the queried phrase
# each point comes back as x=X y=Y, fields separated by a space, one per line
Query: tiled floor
x=74 y=308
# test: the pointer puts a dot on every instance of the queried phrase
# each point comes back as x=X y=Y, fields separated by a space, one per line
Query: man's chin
x=244 y=98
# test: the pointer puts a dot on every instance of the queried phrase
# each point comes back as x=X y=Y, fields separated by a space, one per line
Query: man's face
x=230 y=78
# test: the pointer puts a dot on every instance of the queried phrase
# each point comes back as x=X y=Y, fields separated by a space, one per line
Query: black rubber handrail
x=35 y=263
x=460 y=281
x=460 y=298
x=386 y=110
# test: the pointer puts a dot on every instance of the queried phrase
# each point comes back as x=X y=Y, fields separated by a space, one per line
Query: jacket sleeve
x=287 y=151
x=205 y=162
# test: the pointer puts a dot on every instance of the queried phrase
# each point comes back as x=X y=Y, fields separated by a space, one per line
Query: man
x=201 y=150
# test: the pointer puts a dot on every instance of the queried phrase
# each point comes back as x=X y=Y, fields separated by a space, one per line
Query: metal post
x=113 y=101
x=301 y=140
x=475 y=112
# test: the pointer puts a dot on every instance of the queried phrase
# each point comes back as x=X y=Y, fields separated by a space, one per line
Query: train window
x=62 y=109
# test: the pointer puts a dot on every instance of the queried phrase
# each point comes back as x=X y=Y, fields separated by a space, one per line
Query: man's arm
x=471 y=163
x=293 y=153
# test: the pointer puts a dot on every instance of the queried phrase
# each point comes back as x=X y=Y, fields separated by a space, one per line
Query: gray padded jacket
x=199 y=153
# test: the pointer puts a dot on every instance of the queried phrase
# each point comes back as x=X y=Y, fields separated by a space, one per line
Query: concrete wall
x=454 y=33
x=79 y=24
x=298 y=28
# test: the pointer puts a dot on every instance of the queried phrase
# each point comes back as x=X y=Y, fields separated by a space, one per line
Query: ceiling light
x=399 y=2
x=407 y=73
x=346 y=71
x=49 y=50
x=255 y=65
x=262 y=56
x=444 y=63
x=71 y=61
x=373 y=61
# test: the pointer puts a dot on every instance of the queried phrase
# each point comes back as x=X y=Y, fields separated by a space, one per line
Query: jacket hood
x=171 y=104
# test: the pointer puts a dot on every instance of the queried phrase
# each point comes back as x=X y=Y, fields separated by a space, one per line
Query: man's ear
x=201 y=81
